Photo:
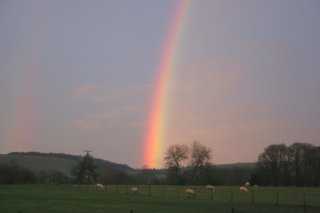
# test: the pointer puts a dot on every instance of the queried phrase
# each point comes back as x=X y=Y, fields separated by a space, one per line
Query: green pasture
x=119 y=198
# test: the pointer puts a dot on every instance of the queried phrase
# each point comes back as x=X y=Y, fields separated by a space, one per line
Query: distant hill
x=36 y=161
x=249 y=165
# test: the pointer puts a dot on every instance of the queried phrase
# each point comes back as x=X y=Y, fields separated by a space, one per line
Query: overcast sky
x=78 y=75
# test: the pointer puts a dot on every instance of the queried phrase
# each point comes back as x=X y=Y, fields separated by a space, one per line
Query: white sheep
x=247 y=183
x=243 y=189
x=190 y=192
x=134 y=189
x=209 y=188
x=99 y=187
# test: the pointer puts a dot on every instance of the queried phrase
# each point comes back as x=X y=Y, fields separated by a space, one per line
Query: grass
x=75 y=198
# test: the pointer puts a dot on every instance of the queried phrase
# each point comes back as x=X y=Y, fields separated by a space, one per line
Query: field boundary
x=309 y=197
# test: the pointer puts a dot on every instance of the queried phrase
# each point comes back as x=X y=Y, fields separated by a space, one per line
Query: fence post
x=232 y=210
x=253 y=200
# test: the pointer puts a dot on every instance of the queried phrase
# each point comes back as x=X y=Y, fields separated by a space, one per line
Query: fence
x=266 y=195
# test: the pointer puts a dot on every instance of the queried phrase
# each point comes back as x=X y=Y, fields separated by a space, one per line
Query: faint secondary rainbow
x=21 y=132
x=154 y=138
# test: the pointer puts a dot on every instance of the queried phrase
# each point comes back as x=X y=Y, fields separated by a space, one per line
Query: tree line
x=294 y=165
x=12 y=173
x=278 y=165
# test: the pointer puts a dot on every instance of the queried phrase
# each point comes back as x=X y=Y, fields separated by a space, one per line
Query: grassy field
x=75 y=198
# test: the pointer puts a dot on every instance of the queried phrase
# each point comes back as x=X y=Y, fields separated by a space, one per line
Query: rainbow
x=155 y=135
x=21 y=133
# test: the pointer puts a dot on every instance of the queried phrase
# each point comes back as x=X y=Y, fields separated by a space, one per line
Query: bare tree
x=200 y=157
x=200 y=154
x=175 y=156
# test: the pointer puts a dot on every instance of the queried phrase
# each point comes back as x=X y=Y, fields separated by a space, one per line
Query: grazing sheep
x=134 y=189
x=190 y=193
x=99 y=187
x=247 y=183
x=255 y=185
x=243 y=189
x=209 y=188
